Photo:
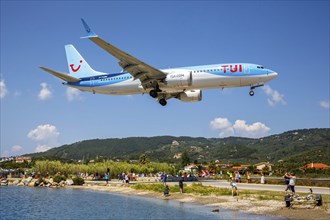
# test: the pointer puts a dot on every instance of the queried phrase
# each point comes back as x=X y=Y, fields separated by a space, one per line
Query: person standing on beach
x=236 y=176
x=262 y=179
x=164 y=177
x=108 y=172
x=248 y=177
x=230 y=175
x=292 y=183
x=181 y=184
x=126 y=179
x=106 y=177
x=286 y=181
x=233 y=186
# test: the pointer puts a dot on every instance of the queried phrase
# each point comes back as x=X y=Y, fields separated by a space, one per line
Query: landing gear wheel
x=153 y=93
x=251 y=93
x=163 y=102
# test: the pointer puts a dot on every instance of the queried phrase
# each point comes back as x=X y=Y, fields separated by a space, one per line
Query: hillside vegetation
x=298 y=146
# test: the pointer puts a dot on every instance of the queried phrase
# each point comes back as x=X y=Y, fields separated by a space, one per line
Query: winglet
x=90 y=33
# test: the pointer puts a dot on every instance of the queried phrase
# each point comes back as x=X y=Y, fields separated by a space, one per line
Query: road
x=253 y=186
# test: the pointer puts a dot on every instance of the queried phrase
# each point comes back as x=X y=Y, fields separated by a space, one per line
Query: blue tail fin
x=78 y=67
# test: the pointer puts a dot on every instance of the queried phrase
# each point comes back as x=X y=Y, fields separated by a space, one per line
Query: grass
x=193 y=188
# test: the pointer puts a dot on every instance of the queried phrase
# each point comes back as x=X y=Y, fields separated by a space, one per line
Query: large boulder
x=16 y=182
x=4 y=182
x=69 y=182
x=33 y=183
x=62 y=183
x=27 y=181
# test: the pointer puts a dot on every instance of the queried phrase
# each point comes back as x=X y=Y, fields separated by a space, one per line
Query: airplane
x=138 y=77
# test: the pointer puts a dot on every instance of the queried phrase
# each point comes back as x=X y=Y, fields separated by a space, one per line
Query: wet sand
x=250 y=205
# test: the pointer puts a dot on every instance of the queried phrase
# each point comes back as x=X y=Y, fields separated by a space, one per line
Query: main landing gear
x=163 y=102
x=153 y=93
x=251 y=93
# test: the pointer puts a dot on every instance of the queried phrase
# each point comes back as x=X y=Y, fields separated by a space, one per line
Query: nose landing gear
x=251 y=93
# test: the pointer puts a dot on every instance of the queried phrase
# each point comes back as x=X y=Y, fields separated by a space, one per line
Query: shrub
x=58 y=178
x=78 y=181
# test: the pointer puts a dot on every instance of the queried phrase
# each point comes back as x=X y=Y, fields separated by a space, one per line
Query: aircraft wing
x=139 y=70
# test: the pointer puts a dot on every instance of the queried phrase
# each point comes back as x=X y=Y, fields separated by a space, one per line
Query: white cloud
x=3 y=89
x=45 y=92
x=220 y=123
x=274 y=96
x=239 y=128
x=42 y=148
x=256 y=129
x=73 y=94
x=325 y=104
x=46 y=136
x=16 y=148
x=13 y=151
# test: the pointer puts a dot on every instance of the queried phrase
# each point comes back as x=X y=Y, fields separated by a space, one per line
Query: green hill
x=302 y=146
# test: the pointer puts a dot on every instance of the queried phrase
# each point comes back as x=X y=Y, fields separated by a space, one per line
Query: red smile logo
x=73 y=69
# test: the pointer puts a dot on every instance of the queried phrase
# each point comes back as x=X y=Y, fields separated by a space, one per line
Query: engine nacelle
x=179 y=78
x=190 y=96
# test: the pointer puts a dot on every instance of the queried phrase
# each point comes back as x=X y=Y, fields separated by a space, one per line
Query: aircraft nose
x=272 y=75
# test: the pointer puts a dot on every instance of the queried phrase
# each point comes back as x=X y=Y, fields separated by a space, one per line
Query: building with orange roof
x=317 y=166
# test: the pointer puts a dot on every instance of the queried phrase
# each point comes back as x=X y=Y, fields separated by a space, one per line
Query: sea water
x=67 y=203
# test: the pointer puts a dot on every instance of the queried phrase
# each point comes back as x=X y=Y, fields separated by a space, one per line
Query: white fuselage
x=180 y=79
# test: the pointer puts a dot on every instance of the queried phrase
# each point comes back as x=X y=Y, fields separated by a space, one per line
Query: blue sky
x=38 y=112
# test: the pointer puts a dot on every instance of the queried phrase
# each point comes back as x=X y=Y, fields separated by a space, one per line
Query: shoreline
x=249 y=205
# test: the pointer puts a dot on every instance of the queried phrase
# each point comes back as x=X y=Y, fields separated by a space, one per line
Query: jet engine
x=181 y=78
x=190 y=96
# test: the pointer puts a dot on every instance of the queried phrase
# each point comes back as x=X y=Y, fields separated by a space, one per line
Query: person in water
x=167 y=190
x=181 y=184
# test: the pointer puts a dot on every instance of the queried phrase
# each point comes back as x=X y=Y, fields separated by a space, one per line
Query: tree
x=185 y=159
x=251 y=169
x=143 y=159
x=212 y=166
x=236 y=163
x=265 y=169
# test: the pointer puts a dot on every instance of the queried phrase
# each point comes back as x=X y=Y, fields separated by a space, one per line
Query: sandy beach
x=250 y=205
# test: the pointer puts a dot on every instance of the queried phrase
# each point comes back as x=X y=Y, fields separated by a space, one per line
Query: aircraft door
x=92 y=82
x=247 y=68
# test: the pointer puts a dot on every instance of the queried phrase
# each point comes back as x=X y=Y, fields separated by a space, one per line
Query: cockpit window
x=260 y=67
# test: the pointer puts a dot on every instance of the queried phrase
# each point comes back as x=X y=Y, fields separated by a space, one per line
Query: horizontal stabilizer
x=62 y=76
